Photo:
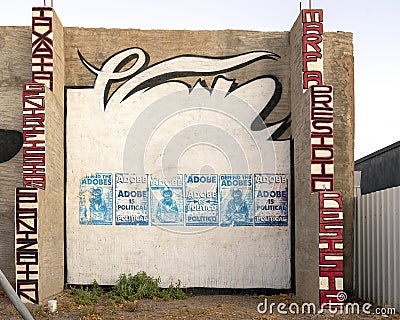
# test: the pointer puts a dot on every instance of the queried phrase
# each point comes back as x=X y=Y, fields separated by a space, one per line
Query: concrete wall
x=51 y=200
x=200 y=256
x=88 y=116
x=15 y=69
x=96 y=45
x=380 y=170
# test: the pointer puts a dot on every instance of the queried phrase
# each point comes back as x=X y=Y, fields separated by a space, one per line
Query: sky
x=374 y=24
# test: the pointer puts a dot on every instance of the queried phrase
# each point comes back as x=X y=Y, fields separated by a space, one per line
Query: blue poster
x=271 y=200
x=201 y=200
x=96 y=199
x=166 y=200
x=131 y=199
x=236 y=200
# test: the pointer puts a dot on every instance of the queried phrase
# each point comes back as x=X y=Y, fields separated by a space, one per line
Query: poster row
x=184 y=200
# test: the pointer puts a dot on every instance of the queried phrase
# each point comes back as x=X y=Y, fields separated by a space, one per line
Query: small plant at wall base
x=86 y=295
x=143 y=286
x=139 y=286
x=173 y=292
x=128 y=288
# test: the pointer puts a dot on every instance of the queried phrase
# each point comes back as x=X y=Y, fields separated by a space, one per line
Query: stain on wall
x=10 y=144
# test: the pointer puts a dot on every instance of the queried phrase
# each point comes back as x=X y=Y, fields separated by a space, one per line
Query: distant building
x=380 y=169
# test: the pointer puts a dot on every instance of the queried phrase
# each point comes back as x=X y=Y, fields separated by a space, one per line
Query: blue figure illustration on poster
x=237 y=211
x=167 y=209
x=236 y=200
x=95 y=201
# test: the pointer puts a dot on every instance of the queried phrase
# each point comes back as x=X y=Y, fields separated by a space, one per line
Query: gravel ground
x=209 y=307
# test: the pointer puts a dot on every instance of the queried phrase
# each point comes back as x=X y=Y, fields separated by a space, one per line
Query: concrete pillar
x=51 y=200
x=40 y=203
x=337 y=72
x=307 y=205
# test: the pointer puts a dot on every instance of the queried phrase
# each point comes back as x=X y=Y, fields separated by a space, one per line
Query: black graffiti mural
x=140 y=76
x=10 y=144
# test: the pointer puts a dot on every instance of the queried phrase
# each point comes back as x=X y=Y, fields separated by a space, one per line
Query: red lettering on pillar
x=34 y=157
x=322 y=158
x=42 y=46
x=311 y=46
x=331 y=249
x=26 y=244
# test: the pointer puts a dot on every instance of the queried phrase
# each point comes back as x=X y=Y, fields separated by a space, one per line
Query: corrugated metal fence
x=377 y=247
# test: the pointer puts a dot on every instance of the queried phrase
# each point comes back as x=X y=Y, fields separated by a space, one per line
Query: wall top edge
x=179 y=30
x=271 y=33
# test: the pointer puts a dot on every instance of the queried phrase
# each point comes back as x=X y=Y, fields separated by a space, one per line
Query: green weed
x=173 y=292
x=139 y=286
x=143 y=286
x=87 y=295
x=128 y=288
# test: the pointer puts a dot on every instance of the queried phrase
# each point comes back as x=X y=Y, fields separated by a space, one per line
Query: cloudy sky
x=374 y=25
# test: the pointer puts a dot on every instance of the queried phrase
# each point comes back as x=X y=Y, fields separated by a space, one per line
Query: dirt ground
x=209 y=307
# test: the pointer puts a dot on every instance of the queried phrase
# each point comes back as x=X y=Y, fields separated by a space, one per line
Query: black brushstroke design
x=118 y=68
x=285 y=125
x=156 y=80
x=258 y=124
x=10 y=144
x=167 y=76
x=233 y=87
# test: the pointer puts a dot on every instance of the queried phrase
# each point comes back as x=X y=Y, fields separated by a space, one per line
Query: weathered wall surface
x=97 y=45
x=196 y=119
x=339 y=73
x=15 y=69
x=51 y=204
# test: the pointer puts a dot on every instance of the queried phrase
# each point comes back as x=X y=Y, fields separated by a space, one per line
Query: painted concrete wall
x=168 y=129
x=163 y=44
x=15 y=46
